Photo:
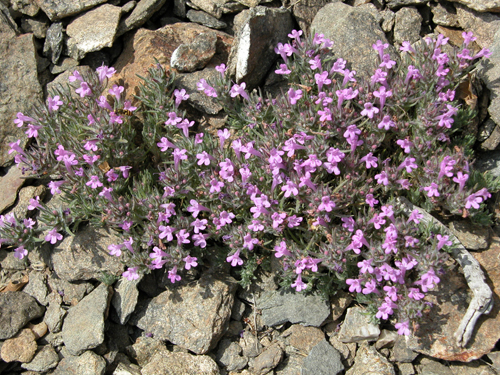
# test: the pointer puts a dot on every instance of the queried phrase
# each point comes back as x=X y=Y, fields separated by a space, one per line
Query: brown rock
x=483 y=25
x=195 y=55
x=57 y=9
x=21 y=348
x=434 y=336
x=9 y=186
x=304 y=338
x=473 y=237
x=166 y=363
x=340 y=302
x=268 y=359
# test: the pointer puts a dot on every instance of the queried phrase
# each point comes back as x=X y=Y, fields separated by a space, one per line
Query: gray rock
x=180 y=8
x=303 y=339
x=369 y=361
x=481 y=5
x=250 y=345
x=268 y=359
x=430 y=366
x=192 y=316
x=19 y=80
x=83 y=327
x=23 y=199
x=472 y=368
x=198 y=99
x=141 y=13
x=212 y=7
x=489 y=135
x=61 y=82
x=473 y=237
x=167 y=363
x=88 y=363
x=67 y=63
x=323 y=359
x=347 y=351
x=353 y=31
x=71 y=292
x=57 y=9
x=490 y=73
x=490 y=162
x=144 y=348
x=45 y=359
x=85 y=256
x=53 y=45
x=406 y=368
x=37 y=287
x=495 y=360
x=128 y=7
x=279 y=307
x=93 y=31
x=127 y=369
x=386 y=339
x=11 y=183
x=229 y=355
x=16 y=309
x=407 y=25
x=388 y=18
x=444 y=14
x=401 y=352
x=395 y=4
x=9 y=262
x=205 y=19
x=125 y=298
x=304 y=12
x=189 y=57
x=483 y=25
x=357 y=327
x=238 y=310
x=252 y=53
x=38 y=26
x=28 y=7
x=54 y=315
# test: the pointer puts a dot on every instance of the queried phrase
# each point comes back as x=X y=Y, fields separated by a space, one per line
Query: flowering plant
x=310 y=177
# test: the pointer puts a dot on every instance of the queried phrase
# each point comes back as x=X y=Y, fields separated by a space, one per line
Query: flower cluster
x=310 y=177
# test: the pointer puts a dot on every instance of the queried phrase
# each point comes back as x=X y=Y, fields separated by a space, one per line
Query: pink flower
x=386 y=123
x=237 y=90
x=283 y=70
x=182 y=237
x=116 y=91
x=105 y=72
x=403 y=328
x=115 y=250
x=195 y=208
x=131 y=273
x=249 y=242
x=226 y=218
x=355 y=285
x=180 y=96
x=173 y=119
x=221 y=69
x=84 y=90
x=20 y=252
x=281 y=250
x=370 y=160
x=202 y=85
x=215 y=186
x=235 y=259
x=382 y=94
x=54 y=103
x=299 y=284
x=294 y=95
x=172 y=275
x=382 y=178
x=185 y=125
x=432 y=190
x=370 y=200
x=164 y=144
x=94 y=182
x=34 y=204
x=200 y=239
x=53 y=236
x=387 y=62
x=369 y=110
x=54 y=187
x=190 y=262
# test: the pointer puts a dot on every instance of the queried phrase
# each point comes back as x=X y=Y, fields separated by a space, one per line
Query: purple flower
x=173 y=119
x=293 y=221
x=299 y=284
x=326 y=204
x=166 y=232
x=182 y=237
x=281 y=250
x=322 y=79
x=403 y=328
x=415 y=294
x=294 y=34
x=348 y=223
x=185 y=125
x=164 y=144
x=249 y=242
x=408 y=164
x=54 y=103
x=115 y=250
x=382 y=94
x=348 y=77
x=172 y=275
x=245 y=174
x=106 y=193
x=415 y=216
x=370 y=200
x=20 y=252
x=84 y=90
x=235 y=259
x=21 y=118
x=114 y=118
x=406 y=47
x=226 y=218
x=468 y=37
x=190 y=262
x=315 y=63
x=387 y=62
x=386 y=123
x=370 y=160
x=76 y=76
x=105 y=72
x=239 y=90
x=278 y=219
x=386 y=309
x=365 y=266
x=34 y=203
x=94 y=182
x=221 y=69
x=428 y=280
x=369 y=110
x=215 y=186
x=370 y=287
x=180 y=96
x=199 y=225
x=178 y=156
x=195 y=208
x=200 y=240
x=54 y=187
x=111 y=175
x=461 y=179
x=355 y=285
x=202 y=85
x=294 y=95
x=103 y=103
x=223 y=136
x=15 y=146
x=442 y=241
x=432 y=190
x=227 y=170
x=131 y=273
x=380 y=47
x=116 y=91
x=392 y=292
x=53 y=236
x=382 y=178
x=283 y=70
x=128 y=106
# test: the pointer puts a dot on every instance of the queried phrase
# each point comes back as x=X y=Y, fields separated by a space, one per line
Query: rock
x=238 y=310
x=357 y=327
x=495 y=359
x=28 y=7
x=489 y=71
x=166 y=363
x=481 y=5
x=268 y=359
x=44 y=359
x=67 y=63
x=24 y=196
x=85 y=256
x=229 y=356
x=70 y=292
x=235 y=328
x=93 y=31
x=323 y=359
x=83 y=327
x=483 y=25
x=339 y=303
x=180 y=9
x=473 y=368
x=145 y=46
x=252 y=54
x=353 y=31
x=386 y=338
x=38 y=26
x=11 y=183
x=37 y=287
x=444 y=14
x=388 y=18
x=144 y=348
x=250 y=345
x=303 y=338
x=450 y=301
x=407 y=25
x=205 y=19
x=88 y=363
x=401 y=352
x=213 y=7
x=193 y=316
x=472 y=236
x=57 y=9
x=347 y=351
x=369 y=361
x=20 y=348
x=304 y=12
x=127 y=369
x=125 y=298
x=279 y=307
x=197 y=98
x=16 y=309
x=433 y=367
x=9 y=262
x=195 y=55
x=61 y=82
x=396 y=4
x=19 y=81
x=491 y=133
x=53 y=45
x=405 y=368
x=141 y=13
x=291 y=365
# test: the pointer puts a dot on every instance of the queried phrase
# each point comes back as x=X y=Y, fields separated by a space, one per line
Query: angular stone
x=229 y=355
x=83 y=327
x=67 y=63
x=472 y=368
x=432 y=367
x=167 y=363
x=205 y=19
x=88 y=363
x=16 y=309
x=125 y=298
x=250 y=345
x=347 y=351
x=388 y=18
x=10 y=183
x=19 y=81
x=44 y=359
x=192 y=316
x=323 y=359
x=57 y=9
x=70 y=292
x=61 y=82
x=489 y=71
x=54 y=315
x=406 y=368
x=407 y=25
x=212 y=7
x=37 y=287
x=304 y=12
x=9 y=262
x=141 y=13
x=353 y=32
x=195 y=55
x=268 y=359
x=20 y=348
x=24 y=197
x=303 y=338
x=450 y=302
x=279 y=307
x=28 y=7
x=444 y=14
x=481 y=5
x=369 y=361
x=386 y=339
x=253 y=53
x=340 y=302
x=93 y=30
x=473 y=237
x=85 y=256
x=491 y=133
x=144 y=348
x=38 y=26
x=395 y=4
x=483 y=25
x=357 y=327
x=52 y=48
